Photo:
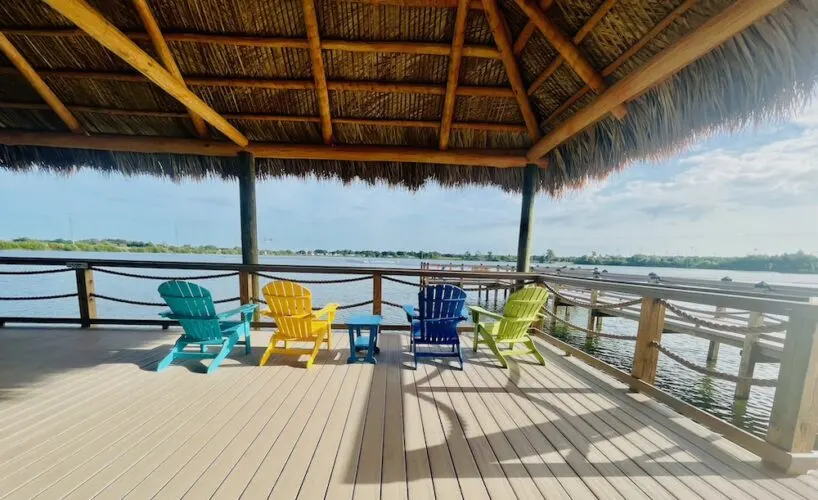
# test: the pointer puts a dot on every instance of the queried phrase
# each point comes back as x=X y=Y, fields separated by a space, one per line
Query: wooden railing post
x=591 y=316
x=85 y=296
x=794 y=417
x=245 y=287
x=377 y=293
x=648 y=336
x=713 y=347
x=747 y=365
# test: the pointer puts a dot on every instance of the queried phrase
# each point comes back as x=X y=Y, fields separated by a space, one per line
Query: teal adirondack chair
x=193 y=307
x=510 y=328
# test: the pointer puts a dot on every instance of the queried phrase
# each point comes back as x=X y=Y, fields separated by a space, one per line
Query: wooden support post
x=496 y=293
x=247 y=207
x=591 y=316
x=713 y=348
x=794 y=417
x=526 y=218
x=747 y=365
x=649 y=334
x=554 y=309
x=85 y=295
x=377 y=293
x=245 y=287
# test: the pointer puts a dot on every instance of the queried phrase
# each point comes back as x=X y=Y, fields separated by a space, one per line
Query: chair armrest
x=167 y=314
x=243 y=309
x=327 y=309
x=411 y=314
x=477 y=311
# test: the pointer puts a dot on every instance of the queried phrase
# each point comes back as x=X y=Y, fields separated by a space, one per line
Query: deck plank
x=393 y=476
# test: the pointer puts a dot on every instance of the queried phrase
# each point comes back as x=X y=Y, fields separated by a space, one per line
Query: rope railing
x=39 y=297
x=402 y=282
x=165 y=278
x=391 y=304
x=148 y=304
x=711 y=372
x=587 y=331
x=588 y=305
x=697 y=321
x=357 y=304
x=41 y=271
x=313 y=282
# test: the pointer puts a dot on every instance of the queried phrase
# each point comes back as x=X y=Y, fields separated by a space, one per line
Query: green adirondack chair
x=510 y=328
x=193 y=307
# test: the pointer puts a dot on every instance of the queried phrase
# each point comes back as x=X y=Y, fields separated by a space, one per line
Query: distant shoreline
x=794 y=263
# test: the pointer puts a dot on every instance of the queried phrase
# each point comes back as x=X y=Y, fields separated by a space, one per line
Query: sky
x=752 y=192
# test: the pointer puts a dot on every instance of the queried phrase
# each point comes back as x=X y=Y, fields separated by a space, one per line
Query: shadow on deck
x=82 y=415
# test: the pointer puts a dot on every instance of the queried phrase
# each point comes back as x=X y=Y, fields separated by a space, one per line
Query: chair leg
x=535 y=352
x=268 y=352
x=460 y=357
x=226 y=348
x=329 y=338
x=178 y=347
x=315 y=349
x=493 y=346
x=476 y=338
x=248 y=348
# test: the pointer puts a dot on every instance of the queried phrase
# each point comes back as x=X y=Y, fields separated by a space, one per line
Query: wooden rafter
x=454 y=73
x=583 y=32
x=165 y=55
x=261 y=117
x=36 y=81
x=143 y=144
x=262 y=83
x=318 y=72
x=717 y=30
x=408 y=47
x=498 y=30
x=622 y=59
x=568 y=51
x=100 y=29
x=473 y=4
x=528 y=30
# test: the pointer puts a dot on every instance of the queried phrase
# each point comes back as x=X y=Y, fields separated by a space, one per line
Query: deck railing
x=770 y=325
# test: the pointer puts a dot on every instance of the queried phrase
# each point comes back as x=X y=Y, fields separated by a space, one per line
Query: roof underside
x=765 y=72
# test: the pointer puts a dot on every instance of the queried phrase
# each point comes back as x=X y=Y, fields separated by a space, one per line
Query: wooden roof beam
x=454 y=73
x=714 y=32
x=39 y=85
x=318 y=72
x=500 y=34
x=583 y=32
x=528 y=30
x=473 y=4
x=625 y=56
x=144 y=144
x=408 y=47
x=100 y=29
x=568 y=51
x=162 y=49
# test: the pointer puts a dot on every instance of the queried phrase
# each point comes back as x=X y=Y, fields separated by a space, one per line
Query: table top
x=364 y=320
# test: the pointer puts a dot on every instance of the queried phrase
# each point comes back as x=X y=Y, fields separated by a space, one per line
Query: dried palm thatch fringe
x=763 y=74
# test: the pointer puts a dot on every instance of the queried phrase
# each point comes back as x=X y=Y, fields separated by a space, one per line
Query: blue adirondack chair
x=434 y=321
x=193 y=307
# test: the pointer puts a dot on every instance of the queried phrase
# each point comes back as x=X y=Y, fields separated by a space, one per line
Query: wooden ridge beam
x=528 y=30
x=583 y=32
x=318 y=72
x=146 y=144
x=262 y=83
x=714 y=32
x=454 y=73
x=473 y=4
x=101 y=30
x=408 y=47
x=162 y=49
x=52 y=101
x=512 y=128
x=568 y=51
x=497 y=26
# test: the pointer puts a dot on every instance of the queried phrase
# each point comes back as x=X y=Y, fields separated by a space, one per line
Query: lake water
x=715 y=396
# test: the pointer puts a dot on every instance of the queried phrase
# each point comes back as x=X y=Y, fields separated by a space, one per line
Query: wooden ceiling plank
x=583 y=32
x=568 y=51
x=39 y=85
x=165 y=55
x=100 y=29
x=714 y=32
x=454 y=73
x=498 y=30
x=318 y=72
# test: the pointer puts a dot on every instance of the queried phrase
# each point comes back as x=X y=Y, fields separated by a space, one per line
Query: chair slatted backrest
x=440 y=310
x=193 y=306
x=521 y=311
x=291 y=307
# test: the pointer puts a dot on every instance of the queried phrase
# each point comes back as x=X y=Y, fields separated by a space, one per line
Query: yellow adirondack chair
x=290 y=306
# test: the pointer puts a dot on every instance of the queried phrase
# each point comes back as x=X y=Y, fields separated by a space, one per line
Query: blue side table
x=359 y=342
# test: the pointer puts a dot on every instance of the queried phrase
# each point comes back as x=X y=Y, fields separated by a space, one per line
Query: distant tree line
x=798 y=262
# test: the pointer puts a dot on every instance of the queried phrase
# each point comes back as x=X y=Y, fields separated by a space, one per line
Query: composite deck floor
x=82 y=415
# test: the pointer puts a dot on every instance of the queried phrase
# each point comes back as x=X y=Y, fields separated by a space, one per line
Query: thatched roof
x=763 y=73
